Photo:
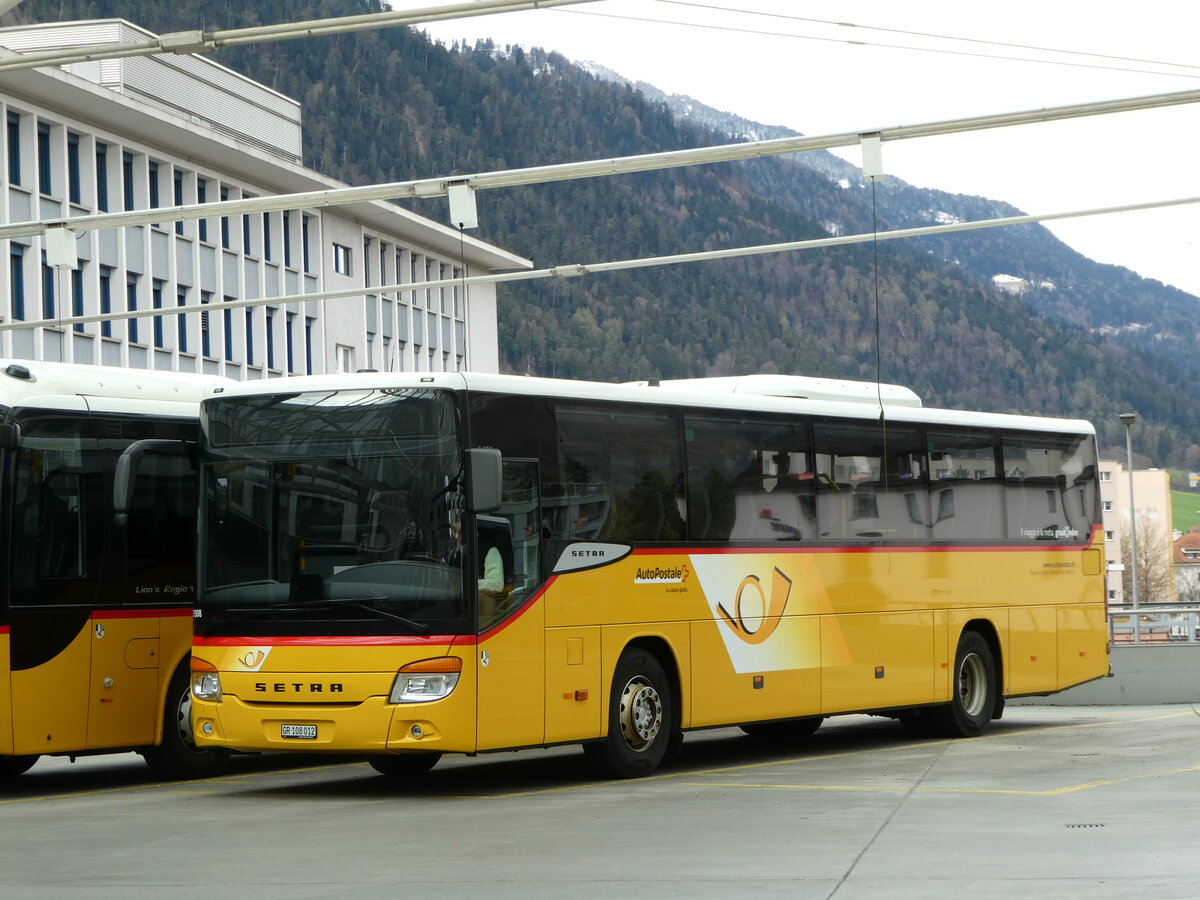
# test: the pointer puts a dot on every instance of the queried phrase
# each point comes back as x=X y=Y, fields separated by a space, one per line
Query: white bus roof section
x=643 y=392
x=802 y=387
x=31 y=383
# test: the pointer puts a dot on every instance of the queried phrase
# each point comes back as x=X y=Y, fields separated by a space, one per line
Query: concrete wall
x=1142 y=675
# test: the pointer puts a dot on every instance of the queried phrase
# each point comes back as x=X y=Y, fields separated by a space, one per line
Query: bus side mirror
x=125 y=476
x=486 y=478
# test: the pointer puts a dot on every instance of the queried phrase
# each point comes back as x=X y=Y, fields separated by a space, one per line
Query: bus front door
x=510 y=655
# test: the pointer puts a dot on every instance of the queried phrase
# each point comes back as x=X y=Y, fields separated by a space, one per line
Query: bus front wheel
x=178 y=756
x=974 y=695
x=641 y=718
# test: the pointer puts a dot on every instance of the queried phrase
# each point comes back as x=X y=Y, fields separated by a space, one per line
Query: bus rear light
x=429 y=679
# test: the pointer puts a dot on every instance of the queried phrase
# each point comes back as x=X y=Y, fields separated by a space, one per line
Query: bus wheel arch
x=975 y=685
x=176 y=756
x=642 y=720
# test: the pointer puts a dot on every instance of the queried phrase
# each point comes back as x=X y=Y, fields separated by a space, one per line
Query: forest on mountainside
x=390 y=105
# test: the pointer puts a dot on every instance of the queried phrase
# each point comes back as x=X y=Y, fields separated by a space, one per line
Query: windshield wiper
x=362 y=603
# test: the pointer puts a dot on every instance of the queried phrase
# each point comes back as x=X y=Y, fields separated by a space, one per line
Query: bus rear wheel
x=178 y=756
x=401 y=765
x=641 y=718
x=974 y=692
x=12 y=766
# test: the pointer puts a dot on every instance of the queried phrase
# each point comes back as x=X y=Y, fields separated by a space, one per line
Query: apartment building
x=1151 y=502
x=167 y=130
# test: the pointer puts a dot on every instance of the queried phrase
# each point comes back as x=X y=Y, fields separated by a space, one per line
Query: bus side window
x=60 y=535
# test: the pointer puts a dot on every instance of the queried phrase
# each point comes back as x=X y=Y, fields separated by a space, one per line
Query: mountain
x=1056 y=337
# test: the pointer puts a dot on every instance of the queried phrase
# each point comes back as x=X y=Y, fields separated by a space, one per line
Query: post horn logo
x=781 y=588
x=252 y=659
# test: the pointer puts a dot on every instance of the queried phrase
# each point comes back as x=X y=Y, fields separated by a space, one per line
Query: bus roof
x=32 y=383
x=739 y=394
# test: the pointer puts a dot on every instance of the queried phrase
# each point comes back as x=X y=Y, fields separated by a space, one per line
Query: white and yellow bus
x=98 y=582
x=407 y=565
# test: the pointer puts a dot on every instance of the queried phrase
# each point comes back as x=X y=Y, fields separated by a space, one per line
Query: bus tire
x=178 y=756
x=12 y=766
x=402 y=765
x=794 y=730
x=641 y=718
x=974 y=690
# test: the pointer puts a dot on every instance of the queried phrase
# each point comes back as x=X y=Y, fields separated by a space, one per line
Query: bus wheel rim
x=972 y=684
x=641 y=713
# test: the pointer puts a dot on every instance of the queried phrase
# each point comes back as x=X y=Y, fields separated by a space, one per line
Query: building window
x=247 y=244
x=127 y=179
x=102 y=177
x=77 y=295
x=181 y=319
x=74 y=189
x=345 y=358
x=224 y=220
x=228 y=319
x=156 y=301
x=154 y=198
x=250 y=337
x=106 y=300
x=202 y=197
x=16 y=279
x=47 y=289
x=131 y=304
x=14 y=148
x=45 y=172
x=308 y=347
x=1106 y=476
x=266 y=250
x=287 y=237
x=304 y=242
x=178 y=199
x=205 y=339
x=341 y=259
x=1110 y=535
x=290 y=324
x=1106 y=505
x=270 y=338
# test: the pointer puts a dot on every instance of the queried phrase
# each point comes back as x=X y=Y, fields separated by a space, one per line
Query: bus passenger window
x=1049 y=487
x=965 y=486
x=626 y=465
x=749 y=478
x=871 y=480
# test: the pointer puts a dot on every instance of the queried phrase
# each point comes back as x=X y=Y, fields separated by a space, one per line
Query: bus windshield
x=333 y=508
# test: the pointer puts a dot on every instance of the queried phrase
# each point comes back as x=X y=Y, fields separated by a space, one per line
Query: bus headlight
x=206 y=681
x=429 y=679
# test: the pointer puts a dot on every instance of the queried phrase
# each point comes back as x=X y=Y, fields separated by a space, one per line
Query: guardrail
x=1157 y=623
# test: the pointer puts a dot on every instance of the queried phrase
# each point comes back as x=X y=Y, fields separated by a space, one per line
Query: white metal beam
x=198 y=41
x=439 y=186
x=573 y=270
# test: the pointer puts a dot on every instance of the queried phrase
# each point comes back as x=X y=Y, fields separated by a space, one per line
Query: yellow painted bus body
x=106 y=689
x=744 y=636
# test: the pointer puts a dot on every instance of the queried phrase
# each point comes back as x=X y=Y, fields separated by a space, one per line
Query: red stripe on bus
x=364 y=640
x=171 y=613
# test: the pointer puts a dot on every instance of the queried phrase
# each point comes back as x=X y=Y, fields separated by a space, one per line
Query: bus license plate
x=298 y=731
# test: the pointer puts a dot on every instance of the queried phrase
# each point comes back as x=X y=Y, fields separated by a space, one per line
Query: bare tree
x=1154 y=564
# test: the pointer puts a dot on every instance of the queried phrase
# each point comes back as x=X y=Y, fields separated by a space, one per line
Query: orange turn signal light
x=440 y=664
x=202 y=665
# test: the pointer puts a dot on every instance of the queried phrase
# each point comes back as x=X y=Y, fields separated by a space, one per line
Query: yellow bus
x=98 y=581
x=406 y=565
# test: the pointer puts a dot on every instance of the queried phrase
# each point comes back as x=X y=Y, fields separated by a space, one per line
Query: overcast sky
x=774 y=61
